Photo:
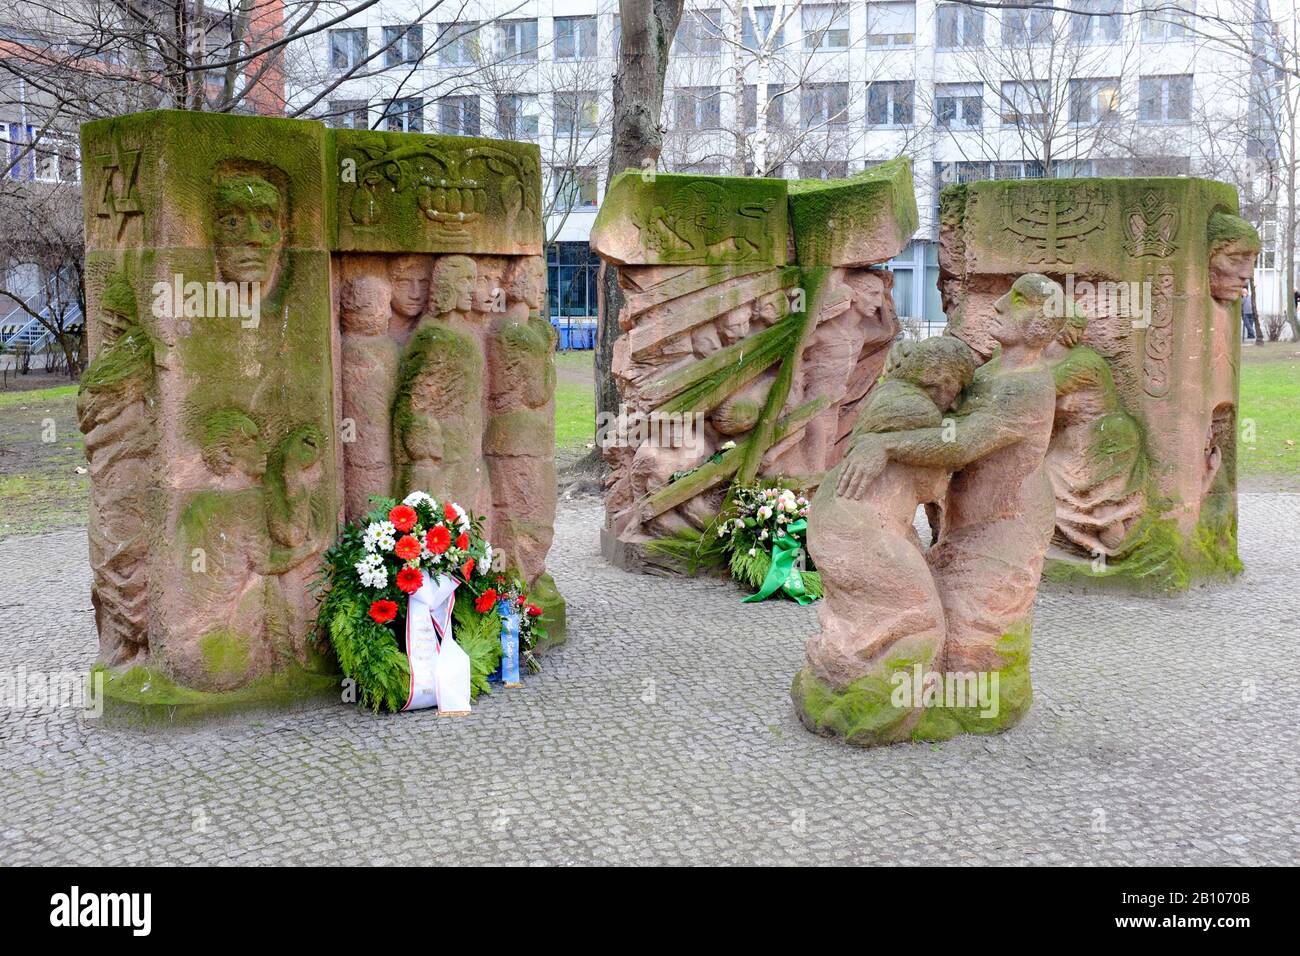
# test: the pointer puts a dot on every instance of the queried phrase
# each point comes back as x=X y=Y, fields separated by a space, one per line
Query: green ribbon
x=783 y=575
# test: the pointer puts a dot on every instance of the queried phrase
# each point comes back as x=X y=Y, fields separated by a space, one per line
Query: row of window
x=824 y=26
x=462 y=43
x=893 y=24
x=1161 y=99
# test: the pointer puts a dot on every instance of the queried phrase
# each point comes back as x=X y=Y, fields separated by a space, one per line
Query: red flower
x=485 y=601
x=381 y=612
x=462 y=541
x=521 y=599
x=407 y=547
x=534 y=611
x=403 y=517
x=438 y=539
x=467 y=569
x=409 y=580
x=449 y=512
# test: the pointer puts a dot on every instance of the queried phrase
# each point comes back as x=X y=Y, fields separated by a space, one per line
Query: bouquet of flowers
x=378 y=563
x=762 y=533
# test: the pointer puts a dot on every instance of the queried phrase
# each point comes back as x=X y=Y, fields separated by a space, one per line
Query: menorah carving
x=1051 y=219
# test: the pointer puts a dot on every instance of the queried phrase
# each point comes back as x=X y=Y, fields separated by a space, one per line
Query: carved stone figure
x=1149 y=384
x=998 y=514
x=226 y=446
x=752 y=318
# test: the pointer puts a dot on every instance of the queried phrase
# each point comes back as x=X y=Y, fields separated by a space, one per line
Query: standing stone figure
x=370 y=356
x=998 y=516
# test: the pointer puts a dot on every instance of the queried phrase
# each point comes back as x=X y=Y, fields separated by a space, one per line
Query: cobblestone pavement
x=663 y=733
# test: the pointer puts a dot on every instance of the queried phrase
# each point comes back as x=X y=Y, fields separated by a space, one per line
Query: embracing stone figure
x=958 y=616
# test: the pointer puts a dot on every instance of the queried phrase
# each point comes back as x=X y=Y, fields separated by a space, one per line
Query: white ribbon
x=439 y=667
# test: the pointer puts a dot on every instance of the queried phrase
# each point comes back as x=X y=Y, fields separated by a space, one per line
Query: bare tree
x=648 y=29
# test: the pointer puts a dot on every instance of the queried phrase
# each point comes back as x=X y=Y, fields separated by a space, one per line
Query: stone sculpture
x=1143 y=454
x=897 y=617
x=314 y=335
x=755 y=322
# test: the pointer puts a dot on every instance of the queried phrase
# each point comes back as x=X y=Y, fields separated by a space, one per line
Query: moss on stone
x=146 y=697
x=864 y=713
x=129 y=357
x=225 y=654
x=828 y=215
x=547 y=596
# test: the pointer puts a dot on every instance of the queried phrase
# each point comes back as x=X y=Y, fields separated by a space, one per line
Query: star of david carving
x=121 y=166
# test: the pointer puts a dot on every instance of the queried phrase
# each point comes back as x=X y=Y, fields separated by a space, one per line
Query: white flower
x=420 y=498
x=485 y=567
x=380 y=534
x=722 y=530
x=462 y=518
x=764 y=512
x=740 y=525
x=727 y=446
x=762 y=535
x=753 y=551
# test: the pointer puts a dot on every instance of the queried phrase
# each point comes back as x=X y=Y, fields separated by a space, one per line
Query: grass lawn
x=1270 y=408
x=41 y=448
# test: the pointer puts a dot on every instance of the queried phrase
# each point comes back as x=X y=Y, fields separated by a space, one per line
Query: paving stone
x=663 y=733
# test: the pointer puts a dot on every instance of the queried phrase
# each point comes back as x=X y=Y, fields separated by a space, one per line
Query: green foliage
x=479 y=636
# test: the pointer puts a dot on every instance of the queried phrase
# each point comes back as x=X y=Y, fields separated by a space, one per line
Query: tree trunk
x=648 y=30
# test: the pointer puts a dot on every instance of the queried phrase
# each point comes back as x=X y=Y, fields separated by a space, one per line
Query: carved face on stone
x=364 y=305
x=527 y=282
x=487 y=287
x=409 y=278
x=454 y=280
x=232 y=442
x=942 y=366
x=1025 y=316
x=1232 y=264
x=734 y=326
x=249 y=230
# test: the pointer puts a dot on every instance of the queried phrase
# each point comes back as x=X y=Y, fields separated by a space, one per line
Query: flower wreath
x=376 y=564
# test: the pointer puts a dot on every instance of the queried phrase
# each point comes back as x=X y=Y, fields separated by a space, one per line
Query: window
x=959 y=27
x=1023 y=103
x=575 y=38
x=959 y=105
x=576 y=113
x=891 y=24
x=698 y=107
x=517 y=117
x=824 y=104
x=1097 y=29
x=826 y=169
x=1025 y=27
x=403 y=44
x=1161 y=21
x=825 y=26
x=1093 y=100
x=349 y=114
x=571 y=274
x=458 y=44
x=458 y=116
x=1164 y=99
x=889 y=104
x=347 y=48
x=517 y=39
x=699 y=33
x=575 y=188
x=404 y=116
x=763 y=17
x=775 y=107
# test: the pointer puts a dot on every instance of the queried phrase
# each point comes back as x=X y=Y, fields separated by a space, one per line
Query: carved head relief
x=734 y=325
x=454 y=279
x=527 y=282
x=1234 y=244
x=1031 y=314
x=487 y=286
x=231 y=442
x=409 y=278
x=363 y=305
x=941 y=366
x=250 y=220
